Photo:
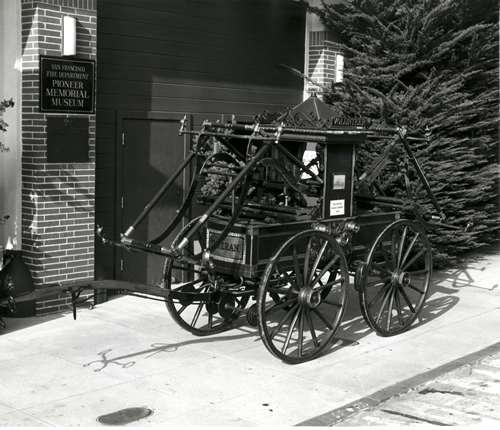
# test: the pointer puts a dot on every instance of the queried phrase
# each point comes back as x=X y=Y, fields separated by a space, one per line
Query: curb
x=337 y=415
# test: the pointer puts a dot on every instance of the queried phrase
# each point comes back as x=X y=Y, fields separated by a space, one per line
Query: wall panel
x=217 y=57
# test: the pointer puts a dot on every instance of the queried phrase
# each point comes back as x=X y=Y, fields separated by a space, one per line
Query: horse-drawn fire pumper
x=284 y=234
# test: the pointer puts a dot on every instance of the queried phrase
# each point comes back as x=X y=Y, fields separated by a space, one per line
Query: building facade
x=99 y=88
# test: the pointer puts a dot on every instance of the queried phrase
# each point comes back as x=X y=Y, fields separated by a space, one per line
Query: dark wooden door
x=151 y=152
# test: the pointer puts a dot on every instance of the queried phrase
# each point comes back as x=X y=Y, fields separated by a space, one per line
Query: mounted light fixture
x=69 y=36
x=339 y=68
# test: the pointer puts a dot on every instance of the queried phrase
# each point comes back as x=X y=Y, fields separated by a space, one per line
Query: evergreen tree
x=3 y=125
x=430 y=64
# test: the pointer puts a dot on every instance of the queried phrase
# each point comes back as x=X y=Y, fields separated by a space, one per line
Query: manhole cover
x=124 y=416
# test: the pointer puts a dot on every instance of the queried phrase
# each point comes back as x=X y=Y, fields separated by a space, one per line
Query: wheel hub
x=309 y=298
x=186 y=299
x=401 y=278
x=226 y=311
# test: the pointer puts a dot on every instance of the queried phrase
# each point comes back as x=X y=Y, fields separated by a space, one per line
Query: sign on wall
x=67 y=86
x=67 y=139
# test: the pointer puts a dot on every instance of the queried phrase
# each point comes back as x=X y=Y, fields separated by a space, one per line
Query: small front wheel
x=198 y=304
x=302 y=296
x=396 y=278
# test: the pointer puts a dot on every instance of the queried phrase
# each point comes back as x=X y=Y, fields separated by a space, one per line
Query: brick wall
x=57 y=199
x=322 y=61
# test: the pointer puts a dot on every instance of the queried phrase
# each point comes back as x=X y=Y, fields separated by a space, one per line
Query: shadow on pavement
x=128 y=360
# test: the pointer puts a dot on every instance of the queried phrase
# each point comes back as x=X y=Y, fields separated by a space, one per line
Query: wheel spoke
x=311 y=329
x=418 y=290
x=297 y=267
x=325 y=269
x=384 y=302
x=322 y=318
x=386 y=256
x=398 y=306
x=379 y=294
x=422 y=251
x=287 y=276
x=419 y=272
x=306 y=260
x=329 y=284
x=321 y=286
x=407 y=300
x=317 y=260
x=389 y=309
x=401 y=244
x=290 y=331
x=197 y=315
x=329 y=302
x=410 y=247
x=279 y=306
x=182 y=309
x=378 y=282
x=283 y=320
x=301 y=333
x=192 y=283
x=284 y=291
x=382 y=270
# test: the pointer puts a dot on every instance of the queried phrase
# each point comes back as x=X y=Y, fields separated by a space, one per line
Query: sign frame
x=67 y=85
x=232 y=249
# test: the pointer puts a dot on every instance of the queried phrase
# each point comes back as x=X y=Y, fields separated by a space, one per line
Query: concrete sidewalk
x=129 y=353
x=464 y=392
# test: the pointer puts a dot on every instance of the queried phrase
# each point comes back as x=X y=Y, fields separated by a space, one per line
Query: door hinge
x=122 y=202
x=121 y=265
x=123 y=139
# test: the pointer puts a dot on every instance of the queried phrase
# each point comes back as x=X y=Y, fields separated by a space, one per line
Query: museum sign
x=67 y=86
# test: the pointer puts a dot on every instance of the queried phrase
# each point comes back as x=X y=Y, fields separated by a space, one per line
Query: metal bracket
x=359 y=275
x=75 y=294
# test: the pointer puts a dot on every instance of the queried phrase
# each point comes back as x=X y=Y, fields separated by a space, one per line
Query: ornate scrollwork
x=311 y=113
x=309 y=120
x=267 y=117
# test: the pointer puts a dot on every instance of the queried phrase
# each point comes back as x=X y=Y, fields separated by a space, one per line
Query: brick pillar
x=325 y=59
x=57 y=198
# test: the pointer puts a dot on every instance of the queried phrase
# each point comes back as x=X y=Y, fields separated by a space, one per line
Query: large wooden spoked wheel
x=302 y=296
x=204 y=316
x=396 y=278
